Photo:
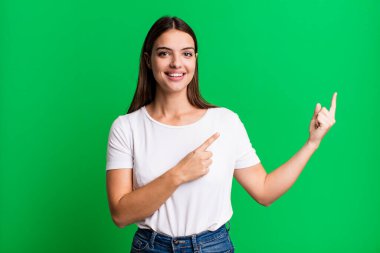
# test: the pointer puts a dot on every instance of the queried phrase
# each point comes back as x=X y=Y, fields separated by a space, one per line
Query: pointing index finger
x=333 y=104
x=208 y=142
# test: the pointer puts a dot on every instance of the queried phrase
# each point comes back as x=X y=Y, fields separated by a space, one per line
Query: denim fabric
x=218 y=241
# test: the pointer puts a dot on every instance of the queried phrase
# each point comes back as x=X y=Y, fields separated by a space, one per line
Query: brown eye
x=188 y=54
x=161 y=53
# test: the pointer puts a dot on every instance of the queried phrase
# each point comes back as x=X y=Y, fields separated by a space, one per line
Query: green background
x=69 y=68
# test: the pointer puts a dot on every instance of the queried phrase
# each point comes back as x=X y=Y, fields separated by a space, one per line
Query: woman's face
x=173 y=60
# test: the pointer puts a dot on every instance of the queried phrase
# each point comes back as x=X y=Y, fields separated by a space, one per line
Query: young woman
x=171 y=159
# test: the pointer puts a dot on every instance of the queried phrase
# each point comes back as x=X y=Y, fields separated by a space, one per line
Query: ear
x=196 y=55
x=147 y=59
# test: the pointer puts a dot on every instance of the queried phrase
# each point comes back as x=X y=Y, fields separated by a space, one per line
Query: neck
x=169 y=105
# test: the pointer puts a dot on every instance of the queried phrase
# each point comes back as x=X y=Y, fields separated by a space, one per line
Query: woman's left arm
x=266 y=188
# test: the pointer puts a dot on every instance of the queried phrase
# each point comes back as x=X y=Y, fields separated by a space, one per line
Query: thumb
x=317 y=109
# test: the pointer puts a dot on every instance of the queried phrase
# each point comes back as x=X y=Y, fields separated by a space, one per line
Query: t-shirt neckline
x=173 y=126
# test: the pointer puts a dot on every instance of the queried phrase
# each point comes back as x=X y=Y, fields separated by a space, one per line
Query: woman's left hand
x=322 y=121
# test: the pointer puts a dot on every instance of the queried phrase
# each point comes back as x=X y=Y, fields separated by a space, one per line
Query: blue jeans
x=218 y=241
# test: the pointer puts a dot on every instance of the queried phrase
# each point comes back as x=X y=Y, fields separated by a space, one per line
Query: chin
x=172 y=87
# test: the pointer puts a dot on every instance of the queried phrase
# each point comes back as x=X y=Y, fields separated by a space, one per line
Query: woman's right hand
x=196 y=163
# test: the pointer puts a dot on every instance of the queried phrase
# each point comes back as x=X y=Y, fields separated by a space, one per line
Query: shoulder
x=226 y=118
x=225 y=113
x=126 y=121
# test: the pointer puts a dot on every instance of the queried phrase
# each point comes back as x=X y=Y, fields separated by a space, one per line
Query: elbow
x=264 y=202
x=120 y=222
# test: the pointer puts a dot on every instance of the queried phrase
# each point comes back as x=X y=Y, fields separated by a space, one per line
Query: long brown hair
x=146 y=84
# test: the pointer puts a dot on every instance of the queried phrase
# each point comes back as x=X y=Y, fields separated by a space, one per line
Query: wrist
x=312 y=144
x=176 y=176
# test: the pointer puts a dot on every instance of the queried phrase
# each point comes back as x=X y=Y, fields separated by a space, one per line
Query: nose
x=175 y=61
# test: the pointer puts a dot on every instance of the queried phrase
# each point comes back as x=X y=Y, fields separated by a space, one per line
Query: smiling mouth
x=174 y=74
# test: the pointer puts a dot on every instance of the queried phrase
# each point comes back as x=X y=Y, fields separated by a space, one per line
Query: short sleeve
x=245 y=153
x=119 y=148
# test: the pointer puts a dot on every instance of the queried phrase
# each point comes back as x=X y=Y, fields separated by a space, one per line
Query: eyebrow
x=172 y=49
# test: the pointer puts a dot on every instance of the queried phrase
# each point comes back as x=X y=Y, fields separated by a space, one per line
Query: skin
x=266 y=188
x=172 y=107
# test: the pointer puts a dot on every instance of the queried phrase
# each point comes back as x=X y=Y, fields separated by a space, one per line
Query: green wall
x=69 y=68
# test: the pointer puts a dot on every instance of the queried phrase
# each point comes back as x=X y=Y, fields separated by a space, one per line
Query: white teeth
x=176 y=74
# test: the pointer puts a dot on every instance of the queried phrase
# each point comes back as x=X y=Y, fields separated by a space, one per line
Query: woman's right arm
x=128 y=206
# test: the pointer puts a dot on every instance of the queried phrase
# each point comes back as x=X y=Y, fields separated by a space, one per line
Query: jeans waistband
x=204 y=236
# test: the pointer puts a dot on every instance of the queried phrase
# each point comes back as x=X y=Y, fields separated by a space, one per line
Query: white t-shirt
x=138 y=141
